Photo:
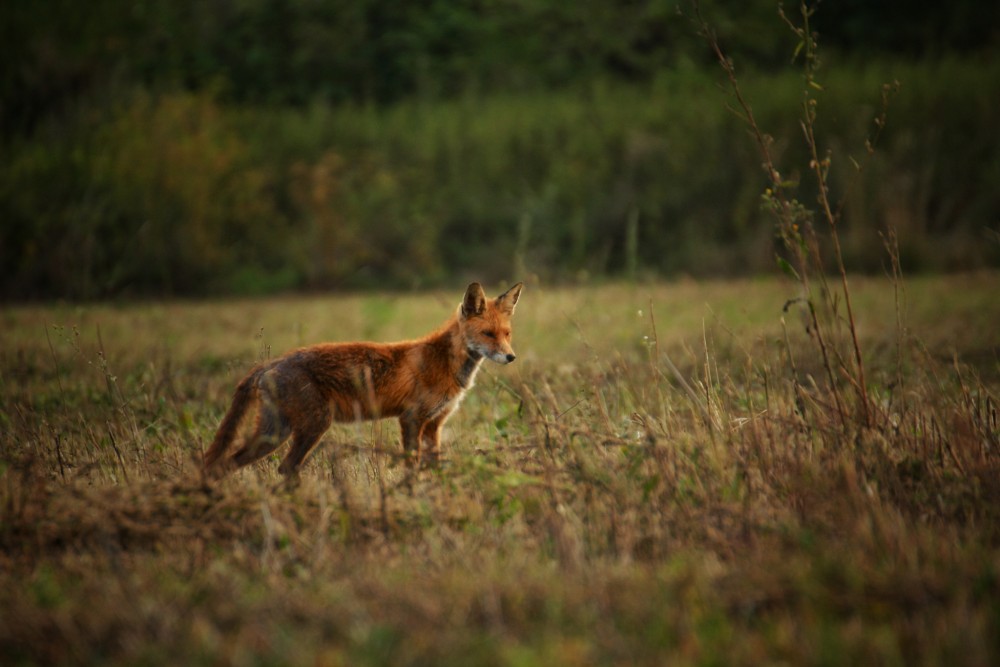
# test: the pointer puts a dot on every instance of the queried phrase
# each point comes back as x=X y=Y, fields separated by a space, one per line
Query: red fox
x=420 y=381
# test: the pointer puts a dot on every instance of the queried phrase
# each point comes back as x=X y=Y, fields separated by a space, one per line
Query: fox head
x=485 y=324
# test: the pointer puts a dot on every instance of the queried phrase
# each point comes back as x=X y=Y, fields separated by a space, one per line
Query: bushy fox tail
x=242 y=399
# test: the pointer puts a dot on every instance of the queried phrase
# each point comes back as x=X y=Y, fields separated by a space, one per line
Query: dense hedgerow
x=183 y=193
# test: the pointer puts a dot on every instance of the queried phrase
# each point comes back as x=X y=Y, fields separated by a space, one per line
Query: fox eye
x=490 y=334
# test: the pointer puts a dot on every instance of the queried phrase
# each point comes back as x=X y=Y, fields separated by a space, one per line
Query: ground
x=669 y=473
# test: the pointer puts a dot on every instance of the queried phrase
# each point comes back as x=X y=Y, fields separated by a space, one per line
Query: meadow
x=668 y=474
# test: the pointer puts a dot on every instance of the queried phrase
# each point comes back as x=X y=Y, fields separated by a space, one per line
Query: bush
x=180 y=193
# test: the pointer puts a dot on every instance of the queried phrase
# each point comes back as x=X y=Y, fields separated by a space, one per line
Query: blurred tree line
x=185 y=147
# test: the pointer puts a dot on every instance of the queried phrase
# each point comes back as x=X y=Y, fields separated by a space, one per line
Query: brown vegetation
x=626 y=493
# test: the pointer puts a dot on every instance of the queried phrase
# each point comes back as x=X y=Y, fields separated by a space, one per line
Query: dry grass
x=592 y=511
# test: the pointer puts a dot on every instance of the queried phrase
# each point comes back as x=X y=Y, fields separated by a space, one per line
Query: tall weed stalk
x=796 y=222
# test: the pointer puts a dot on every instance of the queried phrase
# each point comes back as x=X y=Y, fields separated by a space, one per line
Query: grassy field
x=596 y=507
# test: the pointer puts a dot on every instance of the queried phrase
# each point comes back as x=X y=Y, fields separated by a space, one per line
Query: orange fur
x=422 y=382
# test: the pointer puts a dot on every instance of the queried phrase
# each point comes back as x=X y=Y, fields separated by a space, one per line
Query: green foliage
x=254 y=146
x=157 y=195
x=357 y=51
x=181 y=193
x=363 y=51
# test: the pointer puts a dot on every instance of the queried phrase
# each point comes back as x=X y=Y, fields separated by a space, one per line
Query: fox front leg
x=409 y=427
x=431 y=440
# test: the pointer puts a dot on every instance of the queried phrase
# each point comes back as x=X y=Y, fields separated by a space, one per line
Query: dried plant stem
x=820 y=168
x=804 y=244
x=786 y=211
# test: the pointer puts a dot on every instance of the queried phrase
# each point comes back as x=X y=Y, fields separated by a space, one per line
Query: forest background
x=189 y=148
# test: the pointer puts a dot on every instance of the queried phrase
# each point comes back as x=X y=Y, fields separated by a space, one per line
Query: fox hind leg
x=304 y=439
x=272 y=426
x=272 y=430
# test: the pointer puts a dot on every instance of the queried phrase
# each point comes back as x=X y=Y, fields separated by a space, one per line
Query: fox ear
x=507 y=300
x=475 y=300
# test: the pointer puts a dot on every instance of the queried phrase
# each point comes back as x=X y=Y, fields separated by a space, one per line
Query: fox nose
x=511 y=357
